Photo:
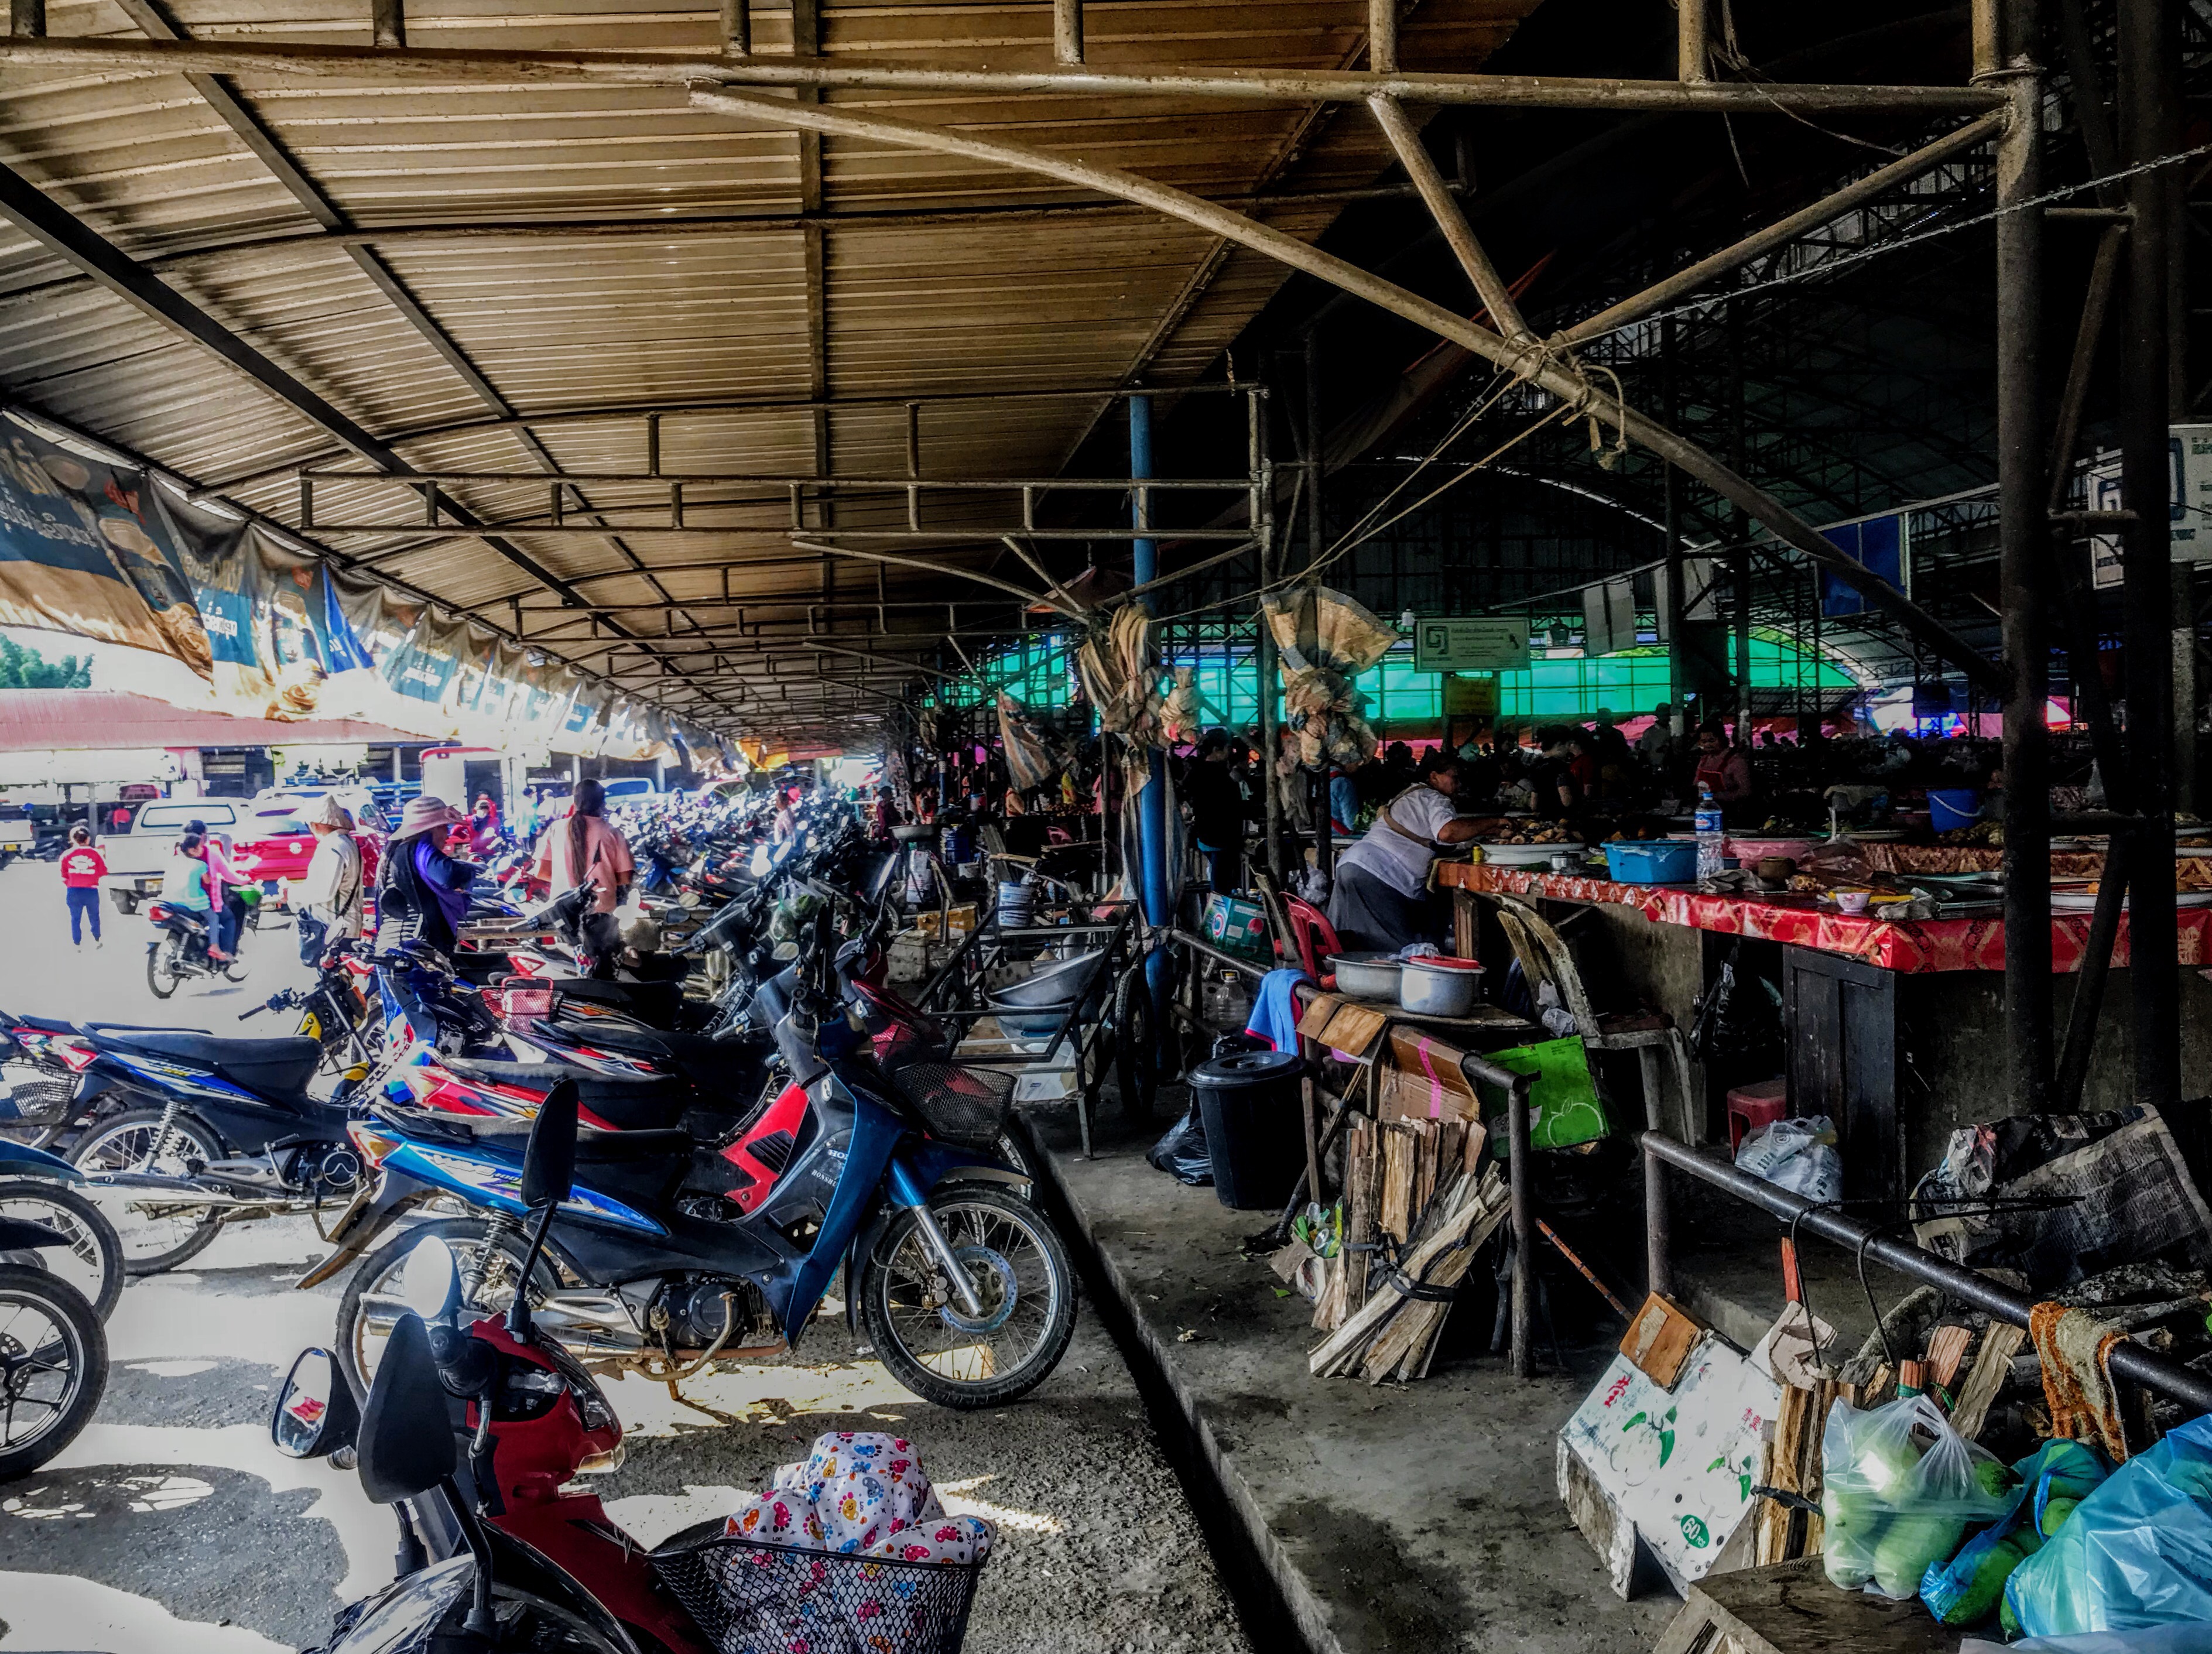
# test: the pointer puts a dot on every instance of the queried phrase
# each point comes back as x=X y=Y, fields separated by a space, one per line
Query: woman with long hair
x=588 y=847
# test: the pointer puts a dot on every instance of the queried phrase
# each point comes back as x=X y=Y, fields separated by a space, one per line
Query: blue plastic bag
x=1965 y=1590
x=2135 y=1553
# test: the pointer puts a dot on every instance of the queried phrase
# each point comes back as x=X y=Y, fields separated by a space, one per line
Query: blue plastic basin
x=1655 y=862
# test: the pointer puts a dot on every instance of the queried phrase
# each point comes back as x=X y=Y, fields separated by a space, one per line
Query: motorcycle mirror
x=432 y=1284
x=406 y=1442
x=315 y=1415
x=549 y=1164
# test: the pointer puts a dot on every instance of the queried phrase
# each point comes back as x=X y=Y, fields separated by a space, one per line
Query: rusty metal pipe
x=447 y=65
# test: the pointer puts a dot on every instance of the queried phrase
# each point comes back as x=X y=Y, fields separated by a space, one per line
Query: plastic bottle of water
x=1711 y=837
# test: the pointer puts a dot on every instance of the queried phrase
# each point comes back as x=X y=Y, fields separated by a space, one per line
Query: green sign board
x=1447 y=644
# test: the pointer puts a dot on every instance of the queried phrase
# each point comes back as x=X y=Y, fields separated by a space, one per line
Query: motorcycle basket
x=31 y=1096
x=754 y=1598
x=966 y=1107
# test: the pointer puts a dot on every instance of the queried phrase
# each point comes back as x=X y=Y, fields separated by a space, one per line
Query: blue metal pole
x=1153 y=816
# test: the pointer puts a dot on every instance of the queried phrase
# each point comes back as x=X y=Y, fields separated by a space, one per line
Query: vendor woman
x=1725 y=768
x=1382 y=901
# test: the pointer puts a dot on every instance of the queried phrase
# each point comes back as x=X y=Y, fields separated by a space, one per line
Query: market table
x=1887 y=1023
x=1908 y=945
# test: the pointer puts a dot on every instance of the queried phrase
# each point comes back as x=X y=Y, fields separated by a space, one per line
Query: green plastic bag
x=1564 y=1107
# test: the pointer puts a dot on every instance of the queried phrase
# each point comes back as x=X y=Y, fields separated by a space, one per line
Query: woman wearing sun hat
x=425 y=889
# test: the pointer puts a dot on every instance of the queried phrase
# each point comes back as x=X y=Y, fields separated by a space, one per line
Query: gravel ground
x=172 y=1525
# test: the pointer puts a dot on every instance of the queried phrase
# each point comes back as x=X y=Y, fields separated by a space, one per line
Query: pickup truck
x=19 y=834
x=138 y=859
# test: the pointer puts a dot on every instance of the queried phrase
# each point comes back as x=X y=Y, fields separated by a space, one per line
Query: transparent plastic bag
x=2135 y=1553
x=1798 y=1155
x=1899 y=1488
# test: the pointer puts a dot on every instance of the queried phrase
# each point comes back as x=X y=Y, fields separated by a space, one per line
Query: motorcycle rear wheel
x=163 y=970
x=93 y=1255
x=127 y=1142
x=373 y=1300
x=53 y=1367
x=1020 y=1268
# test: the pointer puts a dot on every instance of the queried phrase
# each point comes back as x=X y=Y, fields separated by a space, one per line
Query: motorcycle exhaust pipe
x=147 y=1182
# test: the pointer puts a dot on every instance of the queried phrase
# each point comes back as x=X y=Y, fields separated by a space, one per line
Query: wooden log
x=1473 y=1223
x=1991 y=1366
x=1364 y=1151
x=1947 y=1352
x=1395 y=1211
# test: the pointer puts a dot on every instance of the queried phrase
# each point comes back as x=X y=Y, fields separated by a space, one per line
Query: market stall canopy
x=99 y=720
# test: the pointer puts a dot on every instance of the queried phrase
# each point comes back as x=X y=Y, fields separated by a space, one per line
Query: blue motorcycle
x=669 y=1255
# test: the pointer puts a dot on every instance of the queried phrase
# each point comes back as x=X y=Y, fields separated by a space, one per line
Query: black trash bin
x=1253 y=1131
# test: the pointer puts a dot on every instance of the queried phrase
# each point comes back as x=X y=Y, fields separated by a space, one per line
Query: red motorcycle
x=486 y=1512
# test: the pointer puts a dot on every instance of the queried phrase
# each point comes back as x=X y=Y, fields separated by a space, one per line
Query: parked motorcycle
x=53 y=1354
x=685 y=1255
x=476 y=1425
x=44 y=1188
x=178 y=950
x=214 y=1131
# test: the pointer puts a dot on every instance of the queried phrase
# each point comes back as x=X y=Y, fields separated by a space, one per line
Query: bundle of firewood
x=1419 y=1190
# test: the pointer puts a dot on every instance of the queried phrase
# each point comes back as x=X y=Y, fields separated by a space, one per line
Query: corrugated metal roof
x=911 y=307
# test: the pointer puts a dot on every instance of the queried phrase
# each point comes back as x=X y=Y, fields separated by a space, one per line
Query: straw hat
x=329 y=812
x=422 y=814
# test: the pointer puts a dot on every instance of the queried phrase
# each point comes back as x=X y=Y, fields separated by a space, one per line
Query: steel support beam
x=1413 y=155
x=2023 y=530
x=1783 y=231
x=450 y=66
x=2150 y=126
x=1067 y=31
x=1552 y=376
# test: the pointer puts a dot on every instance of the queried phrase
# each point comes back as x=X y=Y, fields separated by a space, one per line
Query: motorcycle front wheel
x=53 y=1366
x=490 y=1266
x=92 y=1262
x=158 y=1233
x=1020 y=1271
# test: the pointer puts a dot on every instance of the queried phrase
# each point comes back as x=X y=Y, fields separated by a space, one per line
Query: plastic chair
x=1311 y=933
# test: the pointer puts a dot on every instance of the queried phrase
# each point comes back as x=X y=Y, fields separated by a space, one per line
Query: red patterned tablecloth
x=1908 y=945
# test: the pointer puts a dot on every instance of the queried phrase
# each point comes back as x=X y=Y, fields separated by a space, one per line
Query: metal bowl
x=914 y=832
x=1053 y=984
x=1366 y=975
x=1430 y=987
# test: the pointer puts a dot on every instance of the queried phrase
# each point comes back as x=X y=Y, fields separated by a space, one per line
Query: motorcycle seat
x=270 y=1067
x=43 y=1024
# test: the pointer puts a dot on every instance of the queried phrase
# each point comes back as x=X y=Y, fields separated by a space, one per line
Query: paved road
x=172 y=1525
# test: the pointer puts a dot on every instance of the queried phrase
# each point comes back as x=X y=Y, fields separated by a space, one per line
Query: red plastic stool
x=1750 y=1107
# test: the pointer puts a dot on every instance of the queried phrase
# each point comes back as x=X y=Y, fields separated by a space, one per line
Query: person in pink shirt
x=222 y=885
x=82 y=868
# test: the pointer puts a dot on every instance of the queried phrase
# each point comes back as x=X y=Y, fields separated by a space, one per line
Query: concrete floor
x=173 y=1526
x=1417 y=1518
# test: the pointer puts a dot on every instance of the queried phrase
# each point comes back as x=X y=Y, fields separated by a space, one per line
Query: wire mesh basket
x=962 y=1106
x=30 y=1095
x=754 y=1598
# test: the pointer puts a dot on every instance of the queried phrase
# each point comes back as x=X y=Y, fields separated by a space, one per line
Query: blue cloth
x=83 y=904
x=447 y=880
x=1343 y=801
x=1275 y=1009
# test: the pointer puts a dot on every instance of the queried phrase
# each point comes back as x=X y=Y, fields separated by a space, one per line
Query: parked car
x=273 y=847
x=138 y=859
x=629 y=789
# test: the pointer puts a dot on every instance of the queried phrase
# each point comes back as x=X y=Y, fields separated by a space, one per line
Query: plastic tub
x=1952 y=807
x=1254 y=1131
x=1653 y=862
x=1436 y=986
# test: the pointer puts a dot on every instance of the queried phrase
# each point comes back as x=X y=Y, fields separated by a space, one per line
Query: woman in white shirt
x=1381 y=902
